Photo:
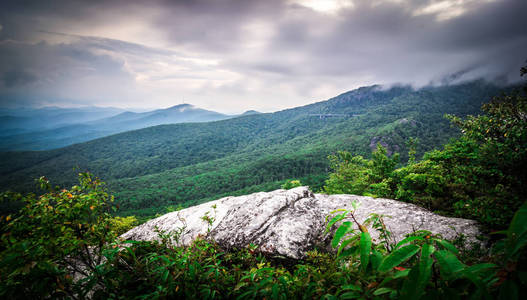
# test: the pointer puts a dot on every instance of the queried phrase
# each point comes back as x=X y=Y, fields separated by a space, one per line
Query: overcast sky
x=235 y=55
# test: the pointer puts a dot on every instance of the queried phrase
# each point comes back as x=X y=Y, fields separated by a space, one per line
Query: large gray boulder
x=292 y=222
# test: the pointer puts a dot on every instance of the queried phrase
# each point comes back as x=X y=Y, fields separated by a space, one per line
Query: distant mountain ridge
x=29 y=120
x=182 y=113
x=250 y=112
x=50 y=128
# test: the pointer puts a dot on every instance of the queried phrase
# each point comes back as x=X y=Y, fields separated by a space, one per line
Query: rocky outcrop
x=411 y=122
x=386 y=142
x=292 y=222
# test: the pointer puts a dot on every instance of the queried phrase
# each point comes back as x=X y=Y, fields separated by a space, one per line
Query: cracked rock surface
x=292 y=222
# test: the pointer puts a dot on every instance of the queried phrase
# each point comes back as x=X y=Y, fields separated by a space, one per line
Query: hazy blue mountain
x=183 y=113
x=30 y=119
x=190 y=163
x=51 y=128
x=250 y=112
x=14 y=125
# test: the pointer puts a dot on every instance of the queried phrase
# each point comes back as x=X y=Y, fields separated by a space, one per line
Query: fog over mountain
x=231 y=56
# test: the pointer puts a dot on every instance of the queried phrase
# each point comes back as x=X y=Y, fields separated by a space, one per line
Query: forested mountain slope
x=183 y=164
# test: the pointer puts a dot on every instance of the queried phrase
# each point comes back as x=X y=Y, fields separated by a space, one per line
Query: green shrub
x=360 y=176
x=55 y=235
x=291 y=184
x=120 y=225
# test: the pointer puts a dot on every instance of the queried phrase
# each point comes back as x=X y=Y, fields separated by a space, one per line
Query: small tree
x=360 y=176
x=350 y=176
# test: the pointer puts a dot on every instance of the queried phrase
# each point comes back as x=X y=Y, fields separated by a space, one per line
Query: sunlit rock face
x=291 y=222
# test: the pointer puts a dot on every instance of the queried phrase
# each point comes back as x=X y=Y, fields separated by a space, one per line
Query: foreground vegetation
x=63 y=245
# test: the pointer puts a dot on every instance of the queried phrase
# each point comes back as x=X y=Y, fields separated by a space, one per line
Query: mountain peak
x=184 y=105
x=251 y=112
x=181 y=107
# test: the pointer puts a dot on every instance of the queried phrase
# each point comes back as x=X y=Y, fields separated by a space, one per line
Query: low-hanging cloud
x=233 y=55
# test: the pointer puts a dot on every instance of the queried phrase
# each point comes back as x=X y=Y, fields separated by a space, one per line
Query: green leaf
x=275 y=291
x=340 y=233
x=351 y=287
x=420 y=275
x=401 y=274
x=365 y=247
x=376 y=259
x=518 y=244
x=425 y=264
x=447 y=245
x=165 y=276
x=348 y=252
x=397 y=257
x=382 y=291
x=481 y=291
x=479 y=267
x=410 y=289
x=350 y=295
x=345 y=243
x=448 y=263
x=427 y=250
x=518 y=226
x=335 y=219
x=408 y=240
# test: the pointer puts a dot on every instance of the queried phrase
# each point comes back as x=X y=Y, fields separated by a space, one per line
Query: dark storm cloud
x=37 y=71
x=300 y=50
x=388 y=41
x=214 y=25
